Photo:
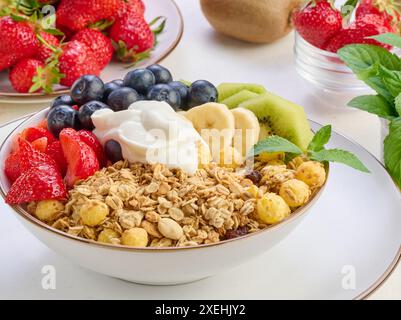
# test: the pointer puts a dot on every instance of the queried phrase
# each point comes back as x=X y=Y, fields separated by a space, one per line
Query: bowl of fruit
x=123 y=179
x=322 y=29
x=46 y=45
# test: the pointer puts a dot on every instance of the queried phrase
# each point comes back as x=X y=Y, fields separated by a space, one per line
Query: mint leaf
x=391 y=79
x=392 y=150
x=274 y=144
x=391 y=39
x=320 y=139
x=340 y=156
x=374 y=104
x=363 y=59
x=359 y=57
x=397 y=102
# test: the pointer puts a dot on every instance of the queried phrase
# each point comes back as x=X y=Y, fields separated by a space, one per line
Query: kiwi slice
x=281 y=117
x=227 y=90
x=236 y=99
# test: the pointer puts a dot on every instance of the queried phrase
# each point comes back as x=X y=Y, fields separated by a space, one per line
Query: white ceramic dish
x=141 y=265
x=168 y=40
x=348 y=230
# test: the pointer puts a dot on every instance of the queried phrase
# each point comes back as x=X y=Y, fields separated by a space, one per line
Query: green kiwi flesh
x=227 y=89
x=282 y=117
x=236 y=99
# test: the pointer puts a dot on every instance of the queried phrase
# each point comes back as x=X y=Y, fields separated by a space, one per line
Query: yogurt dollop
x=150 y=132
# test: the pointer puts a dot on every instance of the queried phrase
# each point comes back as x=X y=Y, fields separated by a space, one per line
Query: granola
x=144 y=204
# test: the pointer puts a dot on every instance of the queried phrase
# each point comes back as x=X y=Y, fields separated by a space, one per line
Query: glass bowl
x=324 y=69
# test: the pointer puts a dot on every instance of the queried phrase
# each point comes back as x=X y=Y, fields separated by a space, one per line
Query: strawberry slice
x=33 y=159
x=35 y=185
x=11 y=166
x=42 y=124
x=91 y=140
x=40 y=144
x=55 y=151
x=81 y=159
x=34 y=133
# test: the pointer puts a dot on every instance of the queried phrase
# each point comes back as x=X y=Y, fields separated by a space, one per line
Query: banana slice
x=215 y=123
x=247 y=129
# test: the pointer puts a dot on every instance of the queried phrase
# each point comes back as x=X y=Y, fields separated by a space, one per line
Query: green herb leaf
x=340 y=156
x=274 y=144
x=361 y=57
x=374 y=104
x=398 y=104
x=55 y=32
x=391 y=39
x=392 y=150
x=392 y=80
x=320 y=139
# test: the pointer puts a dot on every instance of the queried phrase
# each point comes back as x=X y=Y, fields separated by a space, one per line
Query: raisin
x=254 y=176
x=232 y=234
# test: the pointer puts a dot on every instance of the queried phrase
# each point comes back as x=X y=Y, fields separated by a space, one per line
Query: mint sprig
x=381 y=70
x=316 y=150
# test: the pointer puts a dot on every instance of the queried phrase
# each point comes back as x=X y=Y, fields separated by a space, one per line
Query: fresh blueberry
x=87 y=88
x=141 y=97
x=162 y=74
x=119 y=82
x=109 y=88
x=140 y=80
x=113 y=151
x=86 y=111
x=62 y=117
x=122 y=98
x=163 y=92
x=64 y=100
x=183 y=91
x=201 y=92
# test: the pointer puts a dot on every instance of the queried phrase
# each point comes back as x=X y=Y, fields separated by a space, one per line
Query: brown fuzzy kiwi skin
x=256 y=21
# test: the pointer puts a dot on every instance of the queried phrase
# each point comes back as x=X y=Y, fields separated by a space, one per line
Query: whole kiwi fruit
x=257 y=21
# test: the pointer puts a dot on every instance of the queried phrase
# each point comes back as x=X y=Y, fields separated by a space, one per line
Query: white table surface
x=202 y=54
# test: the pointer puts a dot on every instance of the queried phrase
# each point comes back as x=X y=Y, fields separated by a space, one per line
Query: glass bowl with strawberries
x=323 y=28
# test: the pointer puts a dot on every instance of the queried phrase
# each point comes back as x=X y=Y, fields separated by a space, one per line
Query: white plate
x=168 y=40
x=350 y=237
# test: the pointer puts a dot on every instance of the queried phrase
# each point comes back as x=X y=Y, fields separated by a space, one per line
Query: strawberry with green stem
x=318 y=22
x=133 y=38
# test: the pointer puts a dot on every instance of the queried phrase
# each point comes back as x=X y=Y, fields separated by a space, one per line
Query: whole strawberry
x=356 y=33
x=132 y=36
x=317 y=22
x=98 y=43
x=44 y=52
x=23 y=73
x=17 y=41
x=76 y=60
x=77 y=14
x=384 y=11
x=131 y=7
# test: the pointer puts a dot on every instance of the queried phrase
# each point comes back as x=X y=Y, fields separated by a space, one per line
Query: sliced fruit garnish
x=81 y=159
x=247 y=130
x=35 y=185
x=91 y=140
x=282 y=117
x=227 y=90
x=40 y=144
x=31 y=158
x=11 y=166
x=34 y=133
x=215 y=123
x=55 y=151
x=236 y=99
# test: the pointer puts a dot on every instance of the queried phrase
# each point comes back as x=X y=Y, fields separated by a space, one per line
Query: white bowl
x=156 y=266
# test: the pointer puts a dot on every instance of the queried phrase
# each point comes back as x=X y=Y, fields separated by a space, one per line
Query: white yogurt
x=150 y=132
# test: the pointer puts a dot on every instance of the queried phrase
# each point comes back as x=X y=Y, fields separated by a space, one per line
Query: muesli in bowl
x=148 y=165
